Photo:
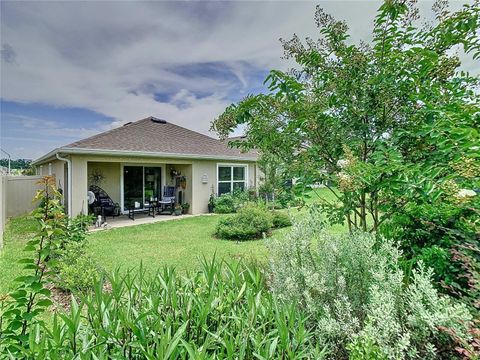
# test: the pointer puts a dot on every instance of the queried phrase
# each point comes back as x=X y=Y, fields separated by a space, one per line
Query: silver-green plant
x=352 y=286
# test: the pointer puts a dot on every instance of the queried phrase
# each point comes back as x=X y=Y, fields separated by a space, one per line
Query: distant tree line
x=16 y=164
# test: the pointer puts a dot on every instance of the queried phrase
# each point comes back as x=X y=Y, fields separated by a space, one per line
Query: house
x=135 y=161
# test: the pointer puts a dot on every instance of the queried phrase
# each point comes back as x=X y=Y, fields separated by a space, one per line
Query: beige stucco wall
x=112 y=174
x=202 y=191
x=197 y=193
x=79 y=185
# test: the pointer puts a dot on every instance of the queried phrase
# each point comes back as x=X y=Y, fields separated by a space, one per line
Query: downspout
x=69 y=182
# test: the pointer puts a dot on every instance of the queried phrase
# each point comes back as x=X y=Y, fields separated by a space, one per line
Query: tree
x=391 y=127
x=370 y=119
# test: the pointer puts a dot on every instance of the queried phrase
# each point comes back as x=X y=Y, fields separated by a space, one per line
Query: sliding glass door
x=140 y=184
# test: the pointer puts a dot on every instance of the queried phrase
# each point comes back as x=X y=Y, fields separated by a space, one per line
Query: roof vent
x=160 y=121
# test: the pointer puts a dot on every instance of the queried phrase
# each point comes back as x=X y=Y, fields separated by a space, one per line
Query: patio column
x=79 y=186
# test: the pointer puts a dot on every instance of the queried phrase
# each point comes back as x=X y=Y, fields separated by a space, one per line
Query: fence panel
x=20 y=192
x=3 y=206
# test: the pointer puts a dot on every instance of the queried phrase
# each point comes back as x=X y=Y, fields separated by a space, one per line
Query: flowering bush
x=353 y=288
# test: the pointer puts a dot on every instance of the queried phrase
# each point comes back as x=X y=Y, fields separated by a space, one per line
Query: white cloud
x=112 y=57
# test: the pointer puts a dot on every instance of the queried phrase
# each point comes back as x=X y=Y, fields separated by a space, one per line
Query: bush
x=443 y=235
x=251 y=222
x=231 y=202
x=224 y=204
x=353 y=288
x=280 y=220
x=75 y=270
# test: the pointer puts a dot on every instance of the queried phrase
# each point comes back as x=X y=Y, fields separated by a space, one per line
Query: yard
x=177 y=243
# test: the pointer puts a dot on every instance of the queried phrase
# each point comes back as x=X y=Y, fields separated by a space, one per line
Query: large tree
x=391 y=127
x=371 y=118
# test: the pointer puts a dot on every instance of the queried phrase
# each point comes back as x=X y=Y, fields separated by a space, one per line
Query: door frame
x=143 y=165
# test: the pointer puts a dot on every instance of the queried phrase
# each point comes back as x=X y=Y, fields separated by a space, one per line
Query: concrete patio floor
x=140 y=219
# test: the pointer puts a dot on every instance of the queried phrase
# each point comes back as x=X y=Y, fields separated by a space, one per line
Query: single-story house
x=135 y=161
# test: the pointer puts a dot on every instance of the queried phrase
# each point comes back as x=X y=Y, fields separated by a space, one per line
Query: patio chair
x=104 y=202
x=167 y=202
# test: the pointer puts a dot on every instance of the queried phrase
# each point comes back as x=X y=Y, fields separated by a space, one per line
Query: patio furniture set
x=104 y=206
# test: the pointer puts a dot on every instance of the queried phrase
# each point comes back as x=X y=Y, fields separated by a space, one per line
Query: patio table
x=149 y=208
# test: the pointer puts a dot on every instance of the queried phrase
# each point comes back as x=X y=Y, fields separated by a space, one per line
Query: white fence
x=16 y=194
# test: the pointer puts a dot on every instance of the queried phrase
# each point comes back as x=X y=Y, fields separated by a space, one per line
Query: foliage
x=275 y=185
x=352 y=286
x=23 y=164
x=167 y=243
x=391 y=127
x=75 y=270
x=223 y=311
x=20 y=311
x=364 y=348
x=224 y=204
x=443 y=235
x=250 y=222
x=370 y=119
x=280 y=219
x=231 y=202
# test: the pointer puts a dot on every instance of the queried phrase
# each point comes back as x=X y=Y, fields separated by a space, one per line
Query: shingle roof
x=158 y=136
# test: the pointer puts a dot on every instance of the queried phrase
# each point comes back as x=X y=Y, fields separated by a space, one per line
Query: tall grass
x=222 y=311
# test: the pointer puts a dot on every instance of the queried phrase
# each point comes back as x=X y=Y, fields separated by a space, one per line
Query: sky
x=71 y=69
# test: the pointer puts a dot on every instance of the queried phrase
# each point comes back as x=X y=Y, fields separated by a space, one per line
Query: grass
x=177 y=243
x=17 y=232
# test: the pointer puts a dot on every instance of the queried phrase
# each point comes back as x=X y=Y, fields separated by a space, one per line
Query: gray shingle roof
x=157 y=136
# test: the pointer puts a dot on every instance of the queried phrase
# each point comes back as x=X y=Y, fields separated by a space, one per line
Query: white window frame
x=231 y=181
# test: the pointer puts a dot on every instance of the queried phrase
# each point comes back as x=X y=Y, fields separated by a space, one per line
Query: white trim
x=231 y=181
x=86 y=151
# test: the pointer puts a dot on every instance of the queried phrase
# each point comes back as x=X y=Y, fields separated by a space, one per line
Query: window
x=231 y=177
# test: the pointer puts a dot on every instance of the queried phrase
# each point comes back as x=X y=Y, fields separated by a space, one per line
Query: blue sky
x=73 y=69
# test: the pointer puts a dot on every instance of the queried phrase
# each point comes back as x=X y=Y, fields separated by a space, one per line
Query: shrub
x=280 y=219
x=352 y=286
x=75 y=270
x=223 y=311
x=231 y=202
x=251 y=222
x=444 y=235
x=224 y=204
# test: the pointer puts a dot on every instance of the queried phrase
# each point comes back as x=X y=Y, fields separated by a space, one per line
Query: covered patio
x=137 y=189
x=142 y=219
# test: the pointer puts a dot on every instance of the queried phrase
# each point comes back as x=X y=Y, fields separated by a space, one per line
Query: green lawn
x=17 y=232
x=178 y=243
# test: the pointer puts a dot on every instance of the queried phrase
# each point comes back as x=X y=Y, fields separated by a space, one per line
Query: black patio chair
x=104 y=202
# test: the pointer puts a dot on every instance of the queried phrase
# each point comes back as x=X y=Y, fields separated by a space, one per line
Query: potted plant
x=211 y=203
x=177 y=210
x=185 y=207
